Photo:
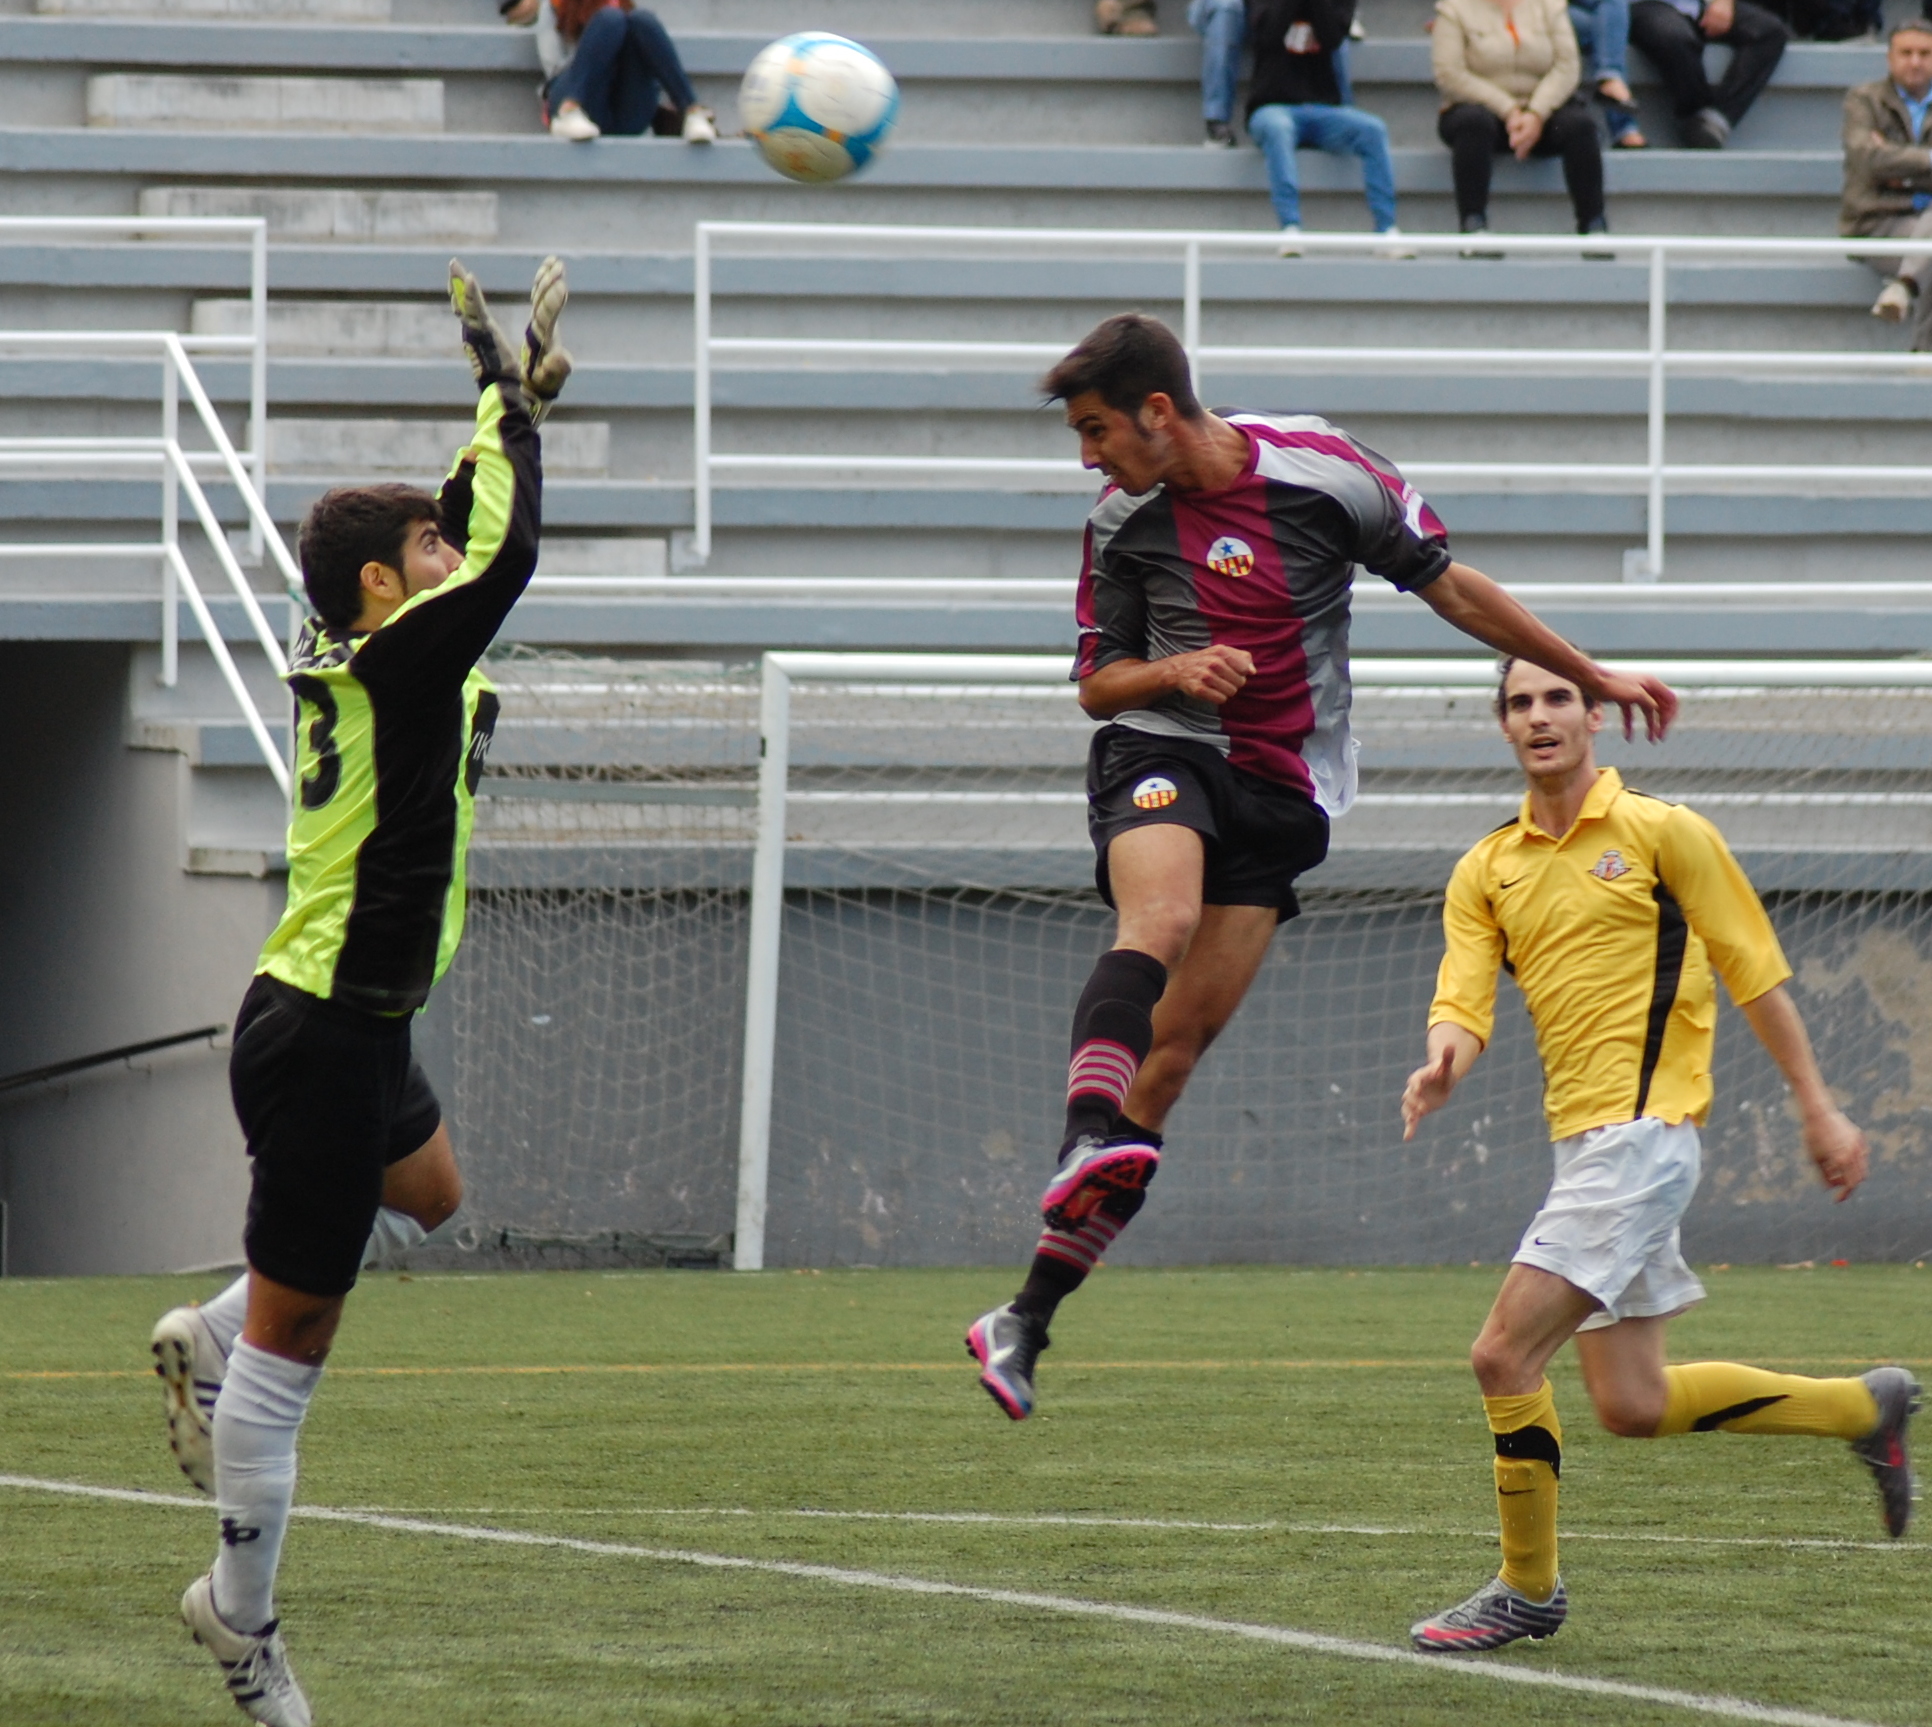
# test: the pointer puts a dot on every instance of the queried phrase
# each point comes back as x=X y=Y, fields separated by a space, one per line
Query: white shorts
x=1610 y=1223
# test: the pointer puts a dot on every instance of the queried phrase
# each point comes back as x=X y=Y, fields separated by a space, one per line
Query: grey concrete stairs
x=375 y=148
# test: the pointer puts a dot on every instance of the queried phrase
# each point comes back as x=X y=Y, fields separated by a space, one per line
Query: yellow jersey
x=1610 y=931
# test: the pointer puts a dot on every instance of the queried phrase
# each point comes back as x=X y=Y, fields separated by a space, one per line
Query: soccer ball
x=818 y=106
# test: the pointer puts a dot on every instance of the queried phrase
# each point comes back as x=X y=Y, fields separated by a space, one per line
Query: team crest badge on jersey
x=1610 y=866
x=1155 y=793
x=1230 y=557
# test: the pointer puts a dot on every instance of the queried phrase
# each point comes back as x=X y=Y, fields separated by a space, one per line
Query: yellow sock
x=1705 y=1395
x=1529 y=1458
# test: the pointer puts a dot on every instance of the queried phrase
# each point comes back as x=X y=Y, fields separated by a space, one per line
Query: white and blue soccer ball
x=818 y=107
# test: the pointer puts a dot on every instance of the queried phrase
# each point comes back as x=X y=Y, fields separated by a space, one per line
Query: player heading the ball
x=1610 y=909
x=1213 y=615
x=349 y=1151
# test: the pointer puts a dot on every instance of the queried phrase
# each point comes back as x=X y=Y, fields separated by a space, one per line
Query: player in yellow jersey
x=1610 y=908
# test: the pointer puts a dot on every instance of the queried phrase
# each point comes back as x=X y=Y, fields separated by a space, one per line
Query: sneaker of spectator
x=1888 y=175
x=700 y=125
x=1220 y=136
x=570 y=121
x=1674 y=34
x=1125 y=18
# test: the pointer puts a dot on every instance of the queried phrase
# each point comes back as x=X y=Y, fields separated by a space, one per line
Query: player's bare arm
x=1452 y=1053
x=1832 y=1140
x=1481 y=608
x=1210 y=675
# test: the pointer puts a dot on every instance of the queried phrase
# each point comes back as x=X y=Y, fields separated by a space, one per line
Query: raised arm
x=1832 y=1141
x=1479 y=607
x=491 y=504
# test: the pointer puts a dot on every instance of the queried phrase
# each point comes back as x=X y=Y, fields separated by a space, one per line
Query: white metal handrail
x=938 y=672
x=179 y=469
x=1656 y=477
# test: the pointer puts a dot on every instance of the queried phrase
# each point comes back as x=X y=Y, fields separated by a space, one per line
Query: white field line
x=1314 y=1643
x=1075 y=1520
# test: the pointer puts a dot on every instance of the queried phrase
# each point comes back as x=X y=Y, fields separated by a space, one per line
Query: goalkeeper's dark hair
x=352 y=526
x=1125 y=360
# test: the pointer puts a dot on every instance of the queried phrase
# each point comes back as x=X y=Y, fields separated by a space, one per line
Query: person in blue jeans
x=1296 y=101
x=1223 y=28
x=609 y=65
x=1603 y=33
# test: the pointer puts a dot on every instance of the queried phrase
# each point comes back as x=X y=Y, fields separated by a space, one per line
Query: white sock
x=257 y=1417
x=395 y=1232
x=226 y=1312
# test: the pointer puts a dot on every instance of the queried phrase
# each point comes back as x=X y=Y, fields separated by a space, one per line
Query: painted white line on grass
x=1314 y=1643
x=1075 y=1520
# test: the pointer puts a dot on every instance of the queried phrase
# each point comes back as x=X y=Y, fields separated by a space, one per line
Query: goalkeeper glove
x=546 y=363
x=490 y=354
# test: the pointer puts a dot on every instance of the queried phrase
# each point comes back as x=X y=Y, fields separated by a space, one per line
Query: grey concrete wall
x=106 y=940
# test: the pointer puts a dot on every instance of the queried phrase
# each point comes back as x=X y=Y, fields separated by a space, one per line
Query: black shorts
x=1260 y=836
x=328 y=1097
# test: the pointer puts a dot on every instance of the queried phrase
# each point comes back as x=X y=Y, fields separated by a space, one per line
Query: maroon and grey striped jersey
x=1264 y=565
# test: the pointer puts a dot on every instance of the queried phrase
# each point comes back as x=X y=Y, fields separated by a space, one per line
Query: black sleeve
x=431 y=645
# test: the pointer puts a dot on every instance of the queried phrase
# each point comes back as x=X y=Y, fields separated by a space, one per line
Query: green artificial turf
x=1333 y=1407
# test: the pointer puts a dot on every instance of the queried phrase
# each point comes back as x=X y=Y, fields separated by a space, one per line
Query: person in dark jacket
x=1295 y=102
x=1888 y=174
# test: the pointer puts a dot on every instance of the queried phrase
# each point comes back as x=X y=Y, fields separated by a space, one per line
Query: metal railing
x=1655 y=360
x=179 y=469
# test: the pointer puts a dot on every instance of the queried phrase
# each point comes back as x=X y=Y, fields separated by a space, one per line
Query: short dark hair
x=1125 y=360
x=1909 y=27
x=1509 y=662
x=349 y=527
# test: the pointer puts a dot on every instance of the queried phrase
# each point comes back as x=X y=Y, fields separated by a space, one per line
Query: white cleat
x=192 y=1366
x=255 y=1668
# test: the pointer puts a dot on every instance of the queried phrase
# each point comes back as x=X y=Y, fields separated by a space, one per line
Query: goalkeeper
x=346 y=1138
x=1609 y=908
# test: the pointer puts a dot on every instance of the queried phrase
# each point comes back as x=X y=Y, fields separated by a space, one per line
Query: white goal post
x=1832 y=802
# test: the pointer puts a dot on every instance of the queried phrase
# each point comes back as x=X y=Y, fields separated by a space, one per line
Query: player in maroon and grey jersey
x=1213 y=613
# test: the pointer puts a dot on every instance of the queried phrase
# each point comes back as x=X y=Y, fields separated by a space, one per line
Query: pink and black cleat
x=1496 y=1614
x=1882 y=1451
x=1006 y=1343
x=1094 y=1171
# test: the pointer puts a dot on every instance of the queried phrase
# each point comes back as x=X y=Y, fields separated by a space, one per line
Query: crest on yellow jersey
x=1610 y=866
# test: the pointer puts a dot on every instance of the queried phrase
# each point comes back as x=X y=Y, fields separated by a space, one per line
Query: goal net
x=939 y=918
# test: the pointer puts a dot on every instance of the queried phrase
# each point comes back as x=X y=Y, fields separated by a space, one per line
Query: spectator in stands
x=1888 y=174
x=1603 y=32
x=1673 y=35
x=1296 y=101
x=611 y=67
x=1507 y=71
x=1223 y=28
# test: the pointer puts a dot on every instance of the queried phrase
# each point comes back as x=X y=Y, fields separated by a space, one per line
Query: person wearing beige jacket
x=1508 y=71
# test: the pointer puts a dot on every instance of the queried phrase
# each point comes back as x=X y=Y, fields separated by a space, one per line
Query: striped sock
x=1113 y=1029
x=1063 y=1257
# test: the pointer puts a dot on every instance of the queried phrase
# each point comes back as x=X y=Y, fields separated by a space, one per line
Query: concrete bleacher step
x=601 y=560
x=146 y=100
x=329 y=213
x=390 y=329
x=353 y=447
x=330 y=11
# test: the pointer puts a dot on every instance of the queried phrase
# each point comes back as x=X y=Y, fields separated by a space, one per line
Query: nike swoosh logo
x=1513 y=1492
x=1538 y=1241
x=1500 y=886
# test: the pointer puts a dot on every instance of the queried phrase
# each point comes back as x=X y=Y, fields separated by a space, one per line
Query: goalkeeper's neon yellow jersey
x=392 y=728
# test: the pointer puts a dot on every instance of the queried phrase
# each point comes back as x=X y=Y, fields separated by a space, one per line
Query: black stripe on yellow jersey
x=1611 y=931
